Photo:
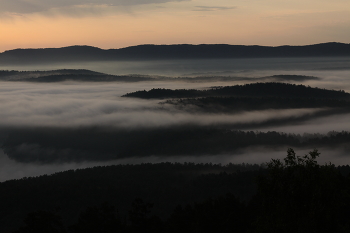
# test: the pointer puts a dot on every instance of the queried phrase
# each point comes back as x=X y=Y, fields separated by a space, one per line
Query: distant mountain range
x=155 y=52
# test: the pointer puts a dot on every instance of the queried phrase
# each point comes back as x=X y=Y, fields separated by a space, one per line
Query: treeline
x=165 y=185
x=234 y=104
x=291 y=195
x=270 y=89
x=47 y=145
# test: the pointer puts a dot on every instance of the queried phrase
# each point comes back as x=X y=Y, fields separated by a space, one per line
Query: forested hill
x=15 y=75
x=184 y=51
x=271 y=89
x=68 y=75
x=93 y=76
x=165 y=184
x=213 y=198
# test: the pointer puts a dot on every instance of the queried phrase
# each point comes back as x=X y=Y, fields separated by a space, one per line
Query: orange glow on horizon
x=179 y=25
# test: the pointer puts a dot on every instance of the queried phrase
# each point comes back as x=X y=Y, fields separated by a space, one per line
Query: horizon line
x=91 y=46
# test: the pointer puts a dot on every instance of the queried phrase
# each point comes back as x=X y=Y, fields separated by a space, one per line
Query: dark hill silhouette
x=186 y=197
x=72 y=53
x=72 y=191
x=271 y=89
x=93 y=76
x=14 y=75
x=184 y=51
x=68 y=75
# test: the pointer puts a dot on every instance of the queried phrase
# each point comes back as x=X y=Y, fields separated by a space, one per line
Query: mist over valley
x=168 y=132
x=87 y=99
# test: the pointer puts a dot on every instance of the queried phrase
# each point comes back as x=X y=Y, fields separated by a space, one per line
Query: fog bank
x=75 y=105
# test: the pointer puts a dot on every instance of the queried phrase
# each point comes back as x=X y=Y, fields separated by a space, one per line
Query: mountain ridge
x=85 y=53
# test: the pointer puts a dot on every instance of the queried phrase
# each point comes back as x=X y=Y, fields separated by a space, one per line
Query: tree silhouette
x=299 y=195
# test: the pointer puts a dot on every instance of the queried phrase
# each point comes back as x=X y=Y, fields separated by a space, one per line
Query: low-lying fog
x=77 y=104
x=334 y=72
x=84 y=104
x=10 y=169
x=202 y=66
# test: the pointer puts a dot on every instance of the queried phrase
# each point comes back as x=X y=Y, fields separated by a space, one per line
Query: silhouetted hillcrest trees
x=272 y=89
x=299 y=195
x=160 y=93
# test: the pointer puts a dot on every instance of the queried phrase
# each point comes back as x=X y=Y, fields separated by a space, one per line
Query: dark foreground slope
x=166 y=185
x=155 y=52
x=293 y=195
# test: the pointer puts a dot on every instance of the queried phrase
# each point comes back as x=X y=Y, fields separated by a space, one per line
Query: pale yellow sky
x=121 y=23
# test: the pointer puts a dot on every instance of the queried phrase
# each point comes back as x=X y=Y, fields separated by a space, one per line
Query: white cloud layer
x=74 y=105
x=90 y=104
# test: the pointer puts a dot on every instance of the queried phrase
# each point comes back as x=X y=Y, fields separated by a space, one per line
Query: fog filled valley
x=169 y=132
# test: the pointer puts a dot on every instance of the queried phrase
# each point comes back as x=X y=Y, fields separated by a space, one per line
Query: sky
x=121 y=23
